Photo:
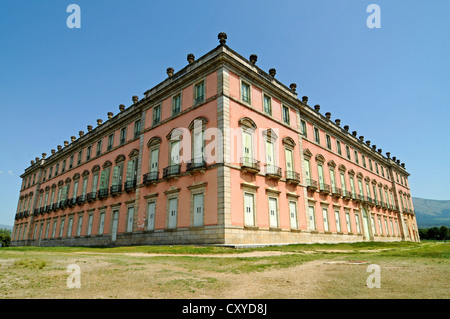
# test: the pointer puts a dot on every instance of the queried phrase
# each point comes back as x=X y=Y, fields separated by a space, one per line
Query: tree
x=5 y=237
x=444 y=233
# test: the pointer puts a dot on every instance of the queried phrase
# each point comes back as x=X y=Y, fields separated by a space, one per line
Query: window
x=347 y=149
x=286 y=118
x=63 y=168
x=363 y=160
x=197 y=209
x=316 y=135
x=54 y=228
x=358 y=226
x=356 y=157
x=245 y=92
x=328 y=138
x=137 y=128
x=338 y=147
x=71 y=162
x=176 y=105
x=325 y=219
x=370 y=164
x=61 y=227
x=110 y=142
x=99 y=147
x=347 y=219
x=249 y=209
x=267 y=104
x=293 y=214
x=376 y=168
x=45 y=176
x=338 y=221
x=51 y=169
x=80 y=224
x=101 y=224
x=130 y=219
x=69 y=228
x=90 y=220
x=123 y=135
x=88 y=153
x=199 y=92
x=80 y=154
x=172 y=211
x=303 y=126
x=56 y=172
x=273 y=212
x=156 y=114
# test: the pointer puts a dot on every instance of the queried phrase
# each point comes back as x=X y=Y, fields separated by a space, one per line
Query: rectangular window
x=286 y=118
x=245 y=92
x=69 y=228
x=51 y=170
x=199 y=92
x=358 y=226
x=303 y=126
x=71 y=162
x=88 y=153
x=316 y=135
x=99 y=148
x=338 y=147
x=312 y=218
x=156 y=114
x=356 y=157
x=198 y=202
x=293 y=214
x=110 y=142
x=267 y=104
x=273 y=212
x=101 y=224
x=338 y=221
x=44 y=178
x=347 y=149
x=382 y=171
x=90 y=220
x=173 y=212
x=370 y=164
x=376 y=168
x=80 y=154
x=137 y=128
x=363 y=160
x=328 y=138
x=325 y=219
x=80 y=225
x=56 y=172
x=347 y=219
x=176 y=105
x=63 y=168
x=123 y=135
x=61 y=227
x=249 y=205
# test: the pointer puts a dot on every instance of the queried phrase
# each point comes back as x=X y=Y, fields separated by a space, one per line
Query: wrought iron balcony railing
x=336 y=192
x=150 y=177
x=171 y=171
x=249 y=164
x=115 y=189
x=130 y=185
x=81 y=199
x=273 y=171
x=102 y=193
x=91 y=196
x=196 y=163
x=292 y=177
x=311 y=184
x=324 y=188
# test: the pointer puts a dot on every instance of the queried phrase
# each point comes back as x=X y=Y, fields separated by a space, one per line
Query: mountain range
x=431 y=213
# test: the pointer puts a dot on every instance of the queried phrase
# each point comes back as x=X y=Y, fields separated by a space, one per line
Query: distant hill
x=6 y=226
x=432 y=213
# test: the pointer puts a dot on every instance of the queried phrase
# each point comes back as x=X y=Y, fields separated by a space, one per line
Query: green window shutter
x=115 y=180
x=103 y=180
x=129 y=171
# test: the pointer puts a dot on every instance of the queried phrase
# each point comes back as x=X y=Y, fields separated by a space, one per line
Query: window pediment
x=247 y=123
x=331 y=163
x=155 y=140
x=96 y=168
x=120 y=158
x=76 y=176
x=289 y=141
x=107 y=164
x=198 y=121
x=133 y=153
x=320 y=158
x=307 y=154
x=85 y=173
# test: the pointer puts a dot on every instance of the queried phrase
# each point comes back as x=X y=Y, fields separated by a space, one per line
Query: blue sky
x=392 y=84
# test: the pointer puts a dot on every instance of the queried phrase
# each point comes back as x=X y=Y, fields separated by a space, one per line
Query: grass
x=410 y=270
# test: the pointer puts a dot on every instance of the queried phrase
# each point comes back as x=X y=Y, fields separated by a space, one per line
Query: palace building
x=220 y=152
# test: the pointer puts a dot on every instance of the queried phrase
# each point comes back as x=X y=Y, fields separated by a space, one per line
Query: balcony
x=292 y=177
x=336 y=192
x=63 y=204
x=196 y=164
x=324 y=188
x=130 y=185
x=311 y=185
x=36 y=212
x=55 y=207
x=102 y=193
x=172 y=171
x=115 y=189
x=250 y=165
x=273 y=171
x=91 y=196
x=48 y=208
x=150 y=177
x=347 y=195
x=199 y=99
x=71 y=202
x=377 y=203
x=81 y=199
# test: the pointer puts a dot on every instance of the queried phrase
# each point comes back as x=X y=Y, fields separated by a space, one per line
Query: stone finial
x=44 y=155
x=32 y=162
x=361 y=138
x=170 y=71
x=190 y=58
x=66 y=143
x=374 y=147
x=337 y=121
x=99 y=121
x=89 y=128
x=398 y=161
x=73 y=138
x=379 y=150
x=135 y=98
x=222 y=36
x=368 y=143
x=346 y=127
x=403 y=165
x=272 y=72
x=293 y=87
x=316 y=107
x=253 y=58
x=305 y=100
x=53 y=151
x=59 y=147
x=388 y=154
x=81 y=133
x=328 y=115
x=354 y=133
x=394 y=158
x=121 y=107
x=36 y=159
x=110 y=115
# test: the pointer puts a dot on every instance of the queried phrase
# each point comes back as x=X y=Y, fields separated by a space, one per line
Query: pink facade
x=252 y=171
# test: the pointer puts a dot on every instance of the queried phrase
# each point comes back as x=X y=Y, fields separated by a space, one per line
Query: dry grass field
x=407 y=270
